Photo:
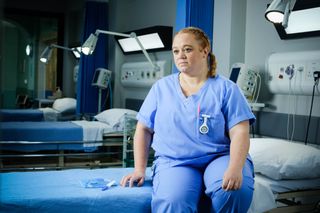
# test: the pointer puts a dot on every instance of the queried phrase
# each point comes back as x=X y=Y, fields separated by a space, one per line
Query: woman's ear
x=205 y=52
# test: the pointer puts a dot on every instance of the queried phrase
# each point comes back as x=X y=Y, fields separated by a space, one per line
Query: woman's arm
x=239 y=148
x=141 y=145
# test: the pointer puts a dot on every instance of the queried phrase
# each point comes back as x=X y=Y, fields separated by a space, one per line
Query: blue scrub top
x=176 y=119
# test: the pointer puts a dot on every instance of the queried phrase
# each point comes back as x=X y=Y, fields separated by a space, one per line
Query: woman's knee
x=176 y=202
x=176 y=189
x=233 y=200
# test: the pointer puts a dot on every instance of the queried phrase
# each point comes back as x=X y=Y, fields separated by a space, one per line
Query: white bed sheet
x=49 y=114
x=266 y=190
x=93 y=130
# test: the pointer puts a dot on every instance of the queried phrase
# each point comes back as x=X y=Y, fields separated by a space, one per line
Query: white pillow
x=280 y=159
x=64 y=104
x=113 y=116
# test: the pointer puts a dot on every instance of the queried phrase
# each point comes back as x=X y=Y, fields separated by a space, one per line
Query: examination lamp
x=90 y=44
x=45 y=55
x=279 y=11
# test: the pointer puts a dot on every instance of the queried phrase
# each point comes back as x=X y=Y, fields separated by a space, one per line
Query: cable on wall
x=316 y=75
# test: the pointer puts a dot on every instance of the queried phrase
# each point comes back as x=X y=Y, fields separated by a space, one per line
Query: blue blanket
x=41 y=132
x=61 y=191
x=21 y=115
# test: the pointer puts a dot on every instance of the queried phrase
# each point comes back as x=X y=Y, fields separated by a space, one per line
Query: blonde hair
x=204 y=42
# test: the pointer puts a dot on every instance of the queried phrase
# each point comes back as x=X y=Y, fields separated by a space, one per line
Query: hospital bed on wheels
x=60 y=145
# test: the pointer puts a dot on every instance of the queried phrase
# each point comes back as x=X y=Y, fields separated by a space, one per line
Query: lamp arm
x=112 y=33
x=131 y=35
x=292 y=3
x=61 y=47
x=289 y=6
x=155 y=66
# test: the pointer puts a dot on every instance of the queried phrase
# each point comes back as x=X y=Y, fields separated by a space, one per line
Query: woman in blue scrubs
x=198 y=124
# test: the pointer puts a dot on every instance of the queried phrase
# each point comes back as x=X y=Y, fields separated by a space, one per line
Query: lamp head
x=275 y=11
x=90 y=44
x=279 y=11
x=45 y=55
x=76 y=52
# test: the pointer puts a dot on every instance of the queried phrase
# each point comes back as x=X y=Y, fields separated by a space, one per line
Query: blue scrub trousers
x=178 y=188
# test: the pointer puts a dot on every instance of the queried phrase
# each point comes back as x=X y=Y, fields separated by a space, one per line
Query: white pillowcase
x=65 y=104
x=114 y=116
x=280 y=159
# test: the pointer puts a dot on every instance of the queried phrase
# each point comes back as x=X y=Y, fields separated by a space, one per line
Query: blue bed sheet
x=61 y=191
x=21 y=115
x=41 y=132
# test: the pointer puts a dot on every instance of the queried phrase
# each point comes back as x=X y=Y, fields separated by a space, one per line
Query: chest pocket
x=215 y=125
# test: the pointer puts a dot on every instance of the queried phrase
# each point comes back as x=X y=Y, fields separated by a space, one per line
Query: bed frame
x=113 y=151
x=116 y=151
x=291 y=201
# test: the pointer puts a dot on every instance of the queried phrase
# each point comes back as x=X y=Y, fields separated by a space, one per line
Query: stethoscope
x=204 y=129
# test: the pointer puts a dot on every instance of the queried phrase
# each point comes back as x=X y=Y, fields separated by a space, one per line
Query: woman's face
x=188 y=54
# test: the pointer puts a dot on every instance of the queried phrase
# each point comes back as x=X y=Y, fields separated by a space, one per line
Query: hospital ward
x=172 y=106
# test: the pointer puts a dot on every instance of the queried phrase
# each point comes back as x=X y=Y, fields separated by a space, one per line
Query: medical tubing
x=110 y=95
x=289 y=110
x=106 y=98
x=314 y=87
x=259 y=87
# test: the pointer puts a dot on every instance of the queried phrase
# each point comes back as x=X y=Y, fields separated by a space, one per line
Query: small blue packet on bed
x=98 y=183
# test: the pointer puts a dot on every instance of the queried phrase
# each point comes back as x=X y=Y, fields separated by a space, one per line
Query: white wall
x=128 y=15
x=261 y=39
x=229 y=33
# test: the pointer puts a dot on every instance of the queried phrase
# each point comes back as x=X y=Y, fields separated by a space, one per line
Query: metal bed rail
x=92 y=154
x=291 y=201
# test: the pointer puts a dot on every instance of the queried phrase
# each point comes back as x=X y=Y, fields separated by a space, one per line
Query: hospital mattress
x=41 y=114
x=21 y=115
x=62 y=191
x=63 y=131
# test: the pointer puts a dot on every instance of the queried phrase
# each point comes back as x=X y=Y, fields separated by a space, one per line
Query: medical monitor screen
x=234 y=74
x=96 y=77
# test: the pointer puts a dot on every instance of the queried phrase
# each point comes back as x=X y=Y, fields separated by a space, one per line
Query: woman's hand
x=135 y=177
x=232 y=180
x=240 y=143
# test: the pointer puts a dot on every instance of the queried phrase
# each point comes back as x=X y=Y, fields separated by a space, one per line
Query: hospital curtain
x=87 y=95
x=197 y=14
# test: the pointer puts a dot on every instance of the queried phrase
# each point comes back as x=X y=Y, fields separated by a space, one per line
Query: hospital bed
x=64 y=144
x=287 y=176
x=64 y=191
x=63 y=109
